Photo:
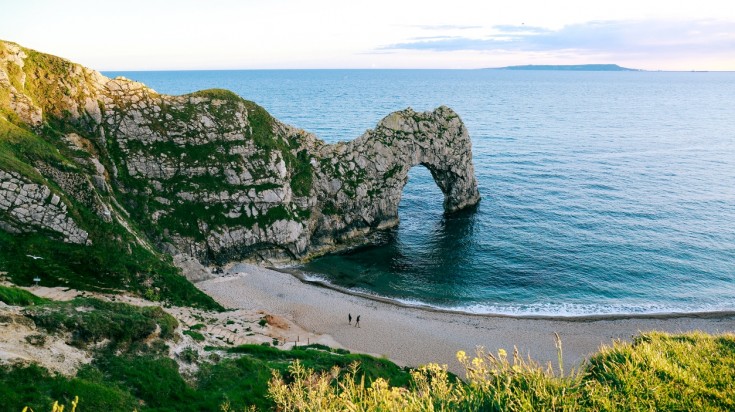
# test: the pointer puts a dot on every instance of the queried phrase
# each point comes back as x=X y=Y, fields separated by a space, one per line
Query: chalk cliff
x=208 y=174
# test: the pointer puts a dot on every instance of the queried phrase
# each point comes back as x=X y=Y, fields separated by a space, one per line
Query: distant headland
x=570 y=67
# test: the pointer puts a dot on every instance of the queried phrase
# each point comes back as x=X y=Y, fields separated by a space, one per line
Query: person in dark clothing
x=349 y=319
x=357 y=321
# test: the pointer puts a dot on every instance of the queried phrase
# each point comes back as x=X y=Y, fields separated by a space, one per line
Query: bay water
x=602 y=192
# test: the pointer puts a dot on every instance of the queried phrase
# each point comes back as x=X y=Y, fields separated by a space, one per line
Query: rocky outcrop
x=27 y=206
x=359 y=183
x=209 y=174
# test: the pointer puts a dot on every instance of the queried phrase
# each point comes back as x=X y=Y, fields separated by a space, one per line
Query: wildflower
x=461 y=356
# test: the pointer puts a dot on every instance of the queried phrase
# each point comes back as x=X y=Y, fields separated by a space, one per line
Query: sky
x=324 y=34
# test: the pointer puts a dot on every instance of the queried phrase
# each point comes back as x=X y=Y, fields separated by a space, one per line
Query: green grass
x=39 y=69
x=194 y=335
x=37 y=388
x=320 y=357
x=150 y=382
x=693 y=372
x=19 y=148
x=19 y=297
x=302 y=176
x=657 y=371
x=220 y=94
x=91 y=320
x=104 y=266
x=154 y=380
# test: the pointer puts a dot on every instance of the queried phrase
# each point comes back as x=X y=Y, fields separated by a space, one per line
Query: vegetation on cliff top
x=103 y=266
x=658 y=371
x=132 y=370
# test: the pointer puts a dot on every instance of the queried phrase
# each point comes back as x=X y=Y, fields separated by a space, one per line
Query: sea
x=603 y=193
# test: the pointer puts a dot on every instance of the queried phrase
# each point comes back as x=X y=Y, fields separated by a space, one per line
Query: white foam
x=529 y=310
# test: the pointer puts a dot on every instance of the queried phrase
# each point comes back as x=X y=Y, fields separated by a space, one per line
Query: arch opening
x=422 y=198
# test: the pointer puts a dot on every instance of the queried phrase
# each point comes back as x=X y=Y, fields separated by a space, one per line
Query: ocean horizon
x=603 y=193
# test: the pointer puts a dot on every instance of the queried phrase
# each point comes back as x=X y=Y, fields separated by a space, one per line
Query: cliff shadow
x=428 y=245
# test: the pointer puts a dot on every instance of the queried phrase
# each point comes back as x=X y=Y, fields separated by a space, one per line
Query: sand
x=413 y=336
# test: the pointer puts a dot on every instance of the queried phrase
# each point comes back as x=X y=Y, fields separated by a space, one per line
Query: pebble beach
x=413 y=336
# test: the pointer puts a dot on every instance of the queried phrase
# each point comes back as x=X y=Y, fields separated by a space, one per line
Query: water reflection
x=423 y=257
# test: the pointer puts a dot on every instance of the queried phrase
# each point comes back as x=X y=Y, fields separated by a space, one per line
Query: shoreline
x=300 y=275
x=411 y=336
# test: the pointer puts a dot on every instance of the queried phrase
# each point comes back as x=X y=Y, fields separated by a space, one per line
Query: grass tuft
x=19 y=297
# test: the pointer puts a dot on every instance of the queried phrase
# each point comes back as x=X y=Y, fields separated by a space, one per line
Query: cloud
x=431 y=38
x=521 y=29
x=447 y=27
x=614 y=37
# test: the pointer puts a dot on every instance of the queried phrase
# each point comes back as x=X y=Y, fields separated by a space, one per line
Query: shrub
x=189 y=355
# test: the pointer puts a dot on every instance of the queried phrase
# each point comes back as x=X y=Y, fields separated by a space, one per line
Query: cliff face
x=206 y=174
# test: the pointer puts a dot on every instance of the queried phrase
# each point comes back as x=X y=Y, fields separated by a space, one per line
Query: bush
x=189 y=355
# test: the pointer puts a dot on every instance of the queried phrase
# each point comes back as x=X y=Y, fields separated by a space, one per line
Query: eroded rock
x=212 y=176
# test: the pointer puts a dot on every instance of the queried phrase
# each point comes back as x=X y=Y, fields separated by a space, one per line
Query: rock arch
x=359 y=183
x=209 y=174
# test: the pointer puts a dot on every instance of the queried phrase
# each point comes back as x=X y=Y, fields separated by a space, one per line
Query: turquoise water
x=603 y=193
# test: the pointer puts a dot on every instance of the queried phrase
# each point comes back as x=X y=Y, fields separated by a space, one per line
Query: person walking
x=349 y=319
x=357 y=321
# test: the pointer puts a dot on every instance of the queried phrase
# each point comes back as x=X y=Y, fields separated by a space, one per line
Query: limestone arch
x=361 y=184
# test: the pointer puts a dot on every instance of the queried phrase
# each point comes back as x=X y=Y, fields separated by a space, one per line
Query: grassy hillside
x=104 y=266
x=117 y=256
x=131 y=370
x=114 y=260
